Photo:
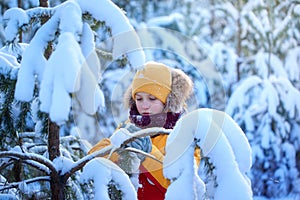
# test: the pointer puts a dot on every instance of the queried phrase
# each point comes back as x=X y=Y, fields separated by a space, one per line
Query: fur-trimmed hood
x=181 y=89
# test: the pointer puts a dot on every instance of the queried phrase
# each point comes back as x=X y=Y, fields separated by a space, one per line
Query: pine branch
x=6 y=110
x=20 y=120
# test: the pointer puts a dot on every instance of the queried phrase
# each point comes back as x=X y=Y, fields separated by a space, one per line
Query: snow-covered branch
x=30 y=157
x=143 y=133
x=15 y=18
x=36 y=165
x=109 y=172
x=268 y=110
x=83 y=161
x=134 y=150
x=8 y=65
x=38 y=12
x=73 y=42
x=125 y=38
x=112 y=148
x=28 y=181
x=220 y=139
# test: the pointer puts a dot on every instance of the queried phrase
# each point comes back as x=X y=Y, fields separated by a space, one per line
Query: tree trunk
x=57 y=182
x=57 y=186
x=20 y=32
x=212 y=20
x=53 y=140
x=239 y=40
x=239 y=49
x=44 y=3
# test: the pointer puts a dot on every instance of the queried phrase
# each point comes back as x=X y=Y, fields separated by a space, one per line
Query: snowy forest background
x=243 y=57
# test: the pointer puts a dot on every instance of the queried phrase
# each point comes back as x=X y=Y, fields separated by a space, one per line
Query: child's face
x=148 y=104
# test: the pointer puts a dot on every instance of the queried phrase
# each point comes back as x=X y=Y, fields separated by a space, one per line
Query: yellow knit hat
x=155 y=79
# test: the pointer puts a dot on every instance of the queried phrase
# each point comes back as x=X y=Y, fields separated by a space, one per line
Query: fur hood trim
x=181 y=89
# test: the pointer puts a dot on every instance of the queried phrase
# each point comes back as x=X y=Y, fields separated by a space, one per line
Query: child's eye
x=152 y=98
x=138 y=99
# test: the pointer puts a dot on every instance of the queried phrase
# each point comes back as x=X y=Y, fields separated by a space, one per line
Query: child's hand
x=143 y=143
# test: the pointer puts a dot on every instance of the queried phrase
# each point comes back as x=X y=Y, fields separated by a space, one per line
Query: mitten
x=129 y=162
x=143 y=144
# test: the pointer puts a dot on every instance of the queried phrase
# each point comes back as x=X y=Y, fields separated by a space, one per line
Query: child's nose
x=146 y=105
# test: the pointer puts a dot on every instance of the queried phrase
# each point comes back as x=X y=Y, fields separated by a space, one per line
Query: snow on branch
x=37 y=165
x=71 y=67
x=291 y=64
x=112 y=148
x=65 y=71
x=102 y=171
x=222 y=141
x=26 y=182
x=128 y=137
x=134 y=150
x=235 y=104
x=32 y=66
x=38 y=12
x=83 y=161
x=8 y=65
x=125 y=38
x=268 y=63
x=266 y=95
x=268 y=109
x=30 y=157
x=60 y=79
x=255 y=23
x=15 y=18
